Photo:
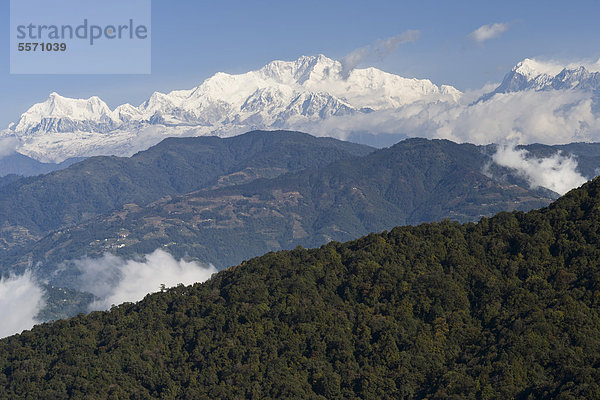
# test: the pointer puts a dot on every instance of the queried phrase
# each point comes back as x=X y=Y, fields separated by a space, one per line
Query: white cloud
x=557 y=173
x=549 y=117
x=351 y=61
x=486 y=32
x=115 y=280
x=8 y=146
x=381 y=49
x=471 y=96
x=21 y=299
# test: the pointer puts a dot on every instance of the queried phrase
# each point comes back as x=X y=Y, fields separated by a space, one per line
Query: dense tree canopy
x=505 y=308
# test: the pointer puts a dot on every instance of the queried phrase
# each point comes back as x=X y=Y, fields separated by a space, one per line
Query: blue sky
x=192 y=39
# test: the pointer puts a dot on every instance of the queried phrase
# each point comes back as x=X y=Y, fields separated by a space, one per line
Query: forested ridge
x=505 y=308
x=414 y=181
x=32 y=207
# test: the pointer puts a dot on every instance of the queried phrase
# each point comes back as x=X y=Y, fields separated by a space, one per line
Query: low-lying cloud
x=549 y=117
x=21 y=299
x=487 y=32
x=114 y=280
x=8 y=146
x=557 y=173
x=381 y=48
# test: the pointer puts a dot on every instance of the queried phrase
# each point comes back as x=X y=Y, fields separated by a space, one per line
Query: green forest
x=508 y=307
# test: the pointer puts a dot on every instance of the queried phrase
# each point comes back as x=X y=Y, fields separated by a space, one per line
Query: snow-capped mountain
x=60 y=114
x=530 y=74
x=536 y=102
x=280 y=95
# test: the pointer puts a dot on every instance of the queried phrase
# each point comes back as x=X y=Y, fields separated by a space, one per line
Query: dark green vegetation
x=63 y=303
x=414 y=181
x=227 y=200
x=32 y=207
x=505 y=308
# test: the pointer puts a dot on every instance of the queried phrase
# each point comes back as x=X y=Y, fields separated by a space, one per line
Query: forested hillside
x=414 y=181
x=505 y=308
x=31 y=207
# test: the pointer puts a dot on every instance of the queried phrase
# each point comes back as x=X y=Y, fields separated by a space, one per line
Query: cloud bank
x=487 y=32
x=114 y=280
x=549 y=117
x=21 y=299
x=557 y=173
x=381 y=48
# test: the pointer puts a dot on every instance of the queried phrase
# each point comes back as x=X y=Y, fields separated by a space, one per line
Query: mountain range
x=221 y=201
x=312 y=94
x=415 y=181
x=281 y=94
x=32 y=207
x=217 y=196
x=505 y=308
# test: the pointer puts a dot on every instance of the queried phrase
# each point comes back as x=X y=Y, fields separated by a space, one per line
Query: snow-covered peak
x=76 y=109
x=281 y=95
x=301 y=70
x=126 y=112
x=531 y=74
x=161 y=102
x=58 y=107
x=362 y=88
x=451 y=91
x=531 y=68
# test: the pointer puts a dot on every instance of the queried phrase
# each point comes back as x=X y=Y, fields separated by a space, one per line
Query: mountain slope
x=5 y=180
x=506 y=308
x=415 y=181
x=31 y=207
x=19 y=164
